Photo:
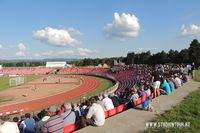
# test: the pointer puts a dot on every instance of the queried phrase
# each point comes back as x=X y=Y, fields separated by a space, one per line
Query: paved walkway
x=134 y=120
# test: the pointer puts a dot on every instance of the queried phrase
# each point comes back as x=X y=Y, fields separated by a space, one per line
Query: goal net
x=16 y=81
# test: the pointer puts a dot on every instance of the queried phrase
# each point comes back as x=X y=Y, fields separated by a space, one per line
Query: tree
x=130 y=58
x=183 y=56
x=194 y=52
x=173 y=56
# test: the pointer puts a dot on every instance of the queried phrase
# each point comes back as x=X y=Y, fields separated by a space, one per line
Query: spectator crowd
x=161 y=79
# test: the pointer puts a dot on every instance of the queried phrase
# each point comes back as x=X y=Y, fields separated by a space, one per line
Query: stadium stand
x=25 y=71
x=129 y=77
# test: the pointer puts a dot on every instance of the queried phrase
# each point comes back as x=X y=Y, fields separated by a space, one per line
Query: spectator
x=107 y=102
x=148 y=88
x=132 y=98
x=126 y=93
x=192 y=70
x=68 y=116
x=55 y=123
x=83 y=106
x=36 y=119
x=156 y=82
x=147 y=91
x=122 y=97
x=166 y=87
x=28 y=125
x=173 y=80
x=16 y=120
x=189 y=67
x=114 y=100
x=171 y=84
x=99 y=100
x=62 y=110
x=146 y=104
x=135 y=95
x=95 y=115
x=184 y=78
x=142 y=92
x=40 y=124
x=177 y=81
x=76 y=109
x=7 y=126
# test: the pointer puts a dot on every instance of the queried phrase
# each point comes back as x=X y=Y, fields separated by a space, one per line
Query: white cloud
x=21 y=50
x=80 y=52
x=1 y=46
x=73 y=31
x=124 y=26
x=57 y=37
x=193 y=29
x=85 y=52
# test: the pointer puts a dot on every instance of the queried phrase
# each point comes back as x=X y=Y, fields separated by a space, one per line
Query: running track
x=89 y=84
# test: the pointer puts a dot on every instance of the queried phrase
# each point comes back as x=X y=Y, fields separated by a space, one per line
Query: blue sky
x=36 y=29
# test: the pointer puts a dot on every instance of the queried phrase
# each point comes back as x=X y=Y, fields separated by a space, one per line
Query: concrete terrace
x=134 y=120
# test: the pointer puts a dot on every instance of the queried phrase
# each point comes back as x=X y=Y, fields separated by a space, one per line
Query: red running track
x=89 y=84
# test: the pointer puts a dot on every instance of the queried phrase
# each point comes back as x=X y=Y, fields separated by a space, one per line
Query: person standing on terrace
x=156 y=82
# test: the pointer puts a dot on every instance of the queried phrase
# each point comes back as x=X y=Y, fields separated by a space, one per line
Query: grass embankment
x=188 y=112
x=4 y=81
x=197 y=75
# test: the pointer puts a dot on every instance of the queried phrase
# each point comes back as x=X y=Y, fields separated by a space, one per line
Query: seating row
x=109 y=113
x=26 y=71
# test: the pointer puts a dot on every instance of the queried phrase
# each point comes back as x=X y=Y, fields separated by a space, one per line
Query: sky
x=38 y=29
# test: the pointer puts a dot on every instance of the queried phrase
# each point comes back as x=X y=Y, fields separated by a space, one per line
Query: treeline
x=22 y=64
x=97 y=61
x=190 y=55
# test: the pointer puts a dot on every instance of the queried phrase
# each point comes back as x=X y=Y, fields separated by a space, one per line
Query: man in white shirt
x=7 y=126
x=107 y=102
x=95 y=115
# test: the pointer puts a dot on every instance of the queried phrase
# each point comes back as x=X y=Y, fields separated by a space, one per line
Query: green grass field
x=4 y=84
x=4 y=81
x=197 y=75
x=187 y=111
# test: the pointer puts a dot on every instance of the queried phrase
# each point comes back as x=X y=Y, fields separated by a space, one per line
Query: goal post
x=16 y=81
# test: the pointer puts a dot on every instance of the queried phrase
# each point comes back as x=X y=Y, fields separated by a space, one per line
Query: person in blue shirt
x=165 y=86
x=146 y=104
x=171 y=84
x=28 y=125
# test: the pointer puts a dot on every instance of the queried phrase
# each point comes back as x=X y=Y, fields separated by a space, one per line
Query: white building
x=56 y=64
